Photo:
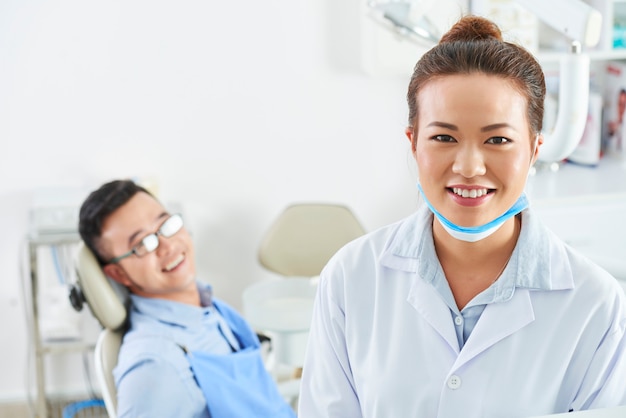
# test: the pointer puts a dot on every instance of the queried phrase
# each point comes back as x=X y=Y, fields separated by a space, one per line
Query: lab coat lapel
x=498 y=321
x=427 y=302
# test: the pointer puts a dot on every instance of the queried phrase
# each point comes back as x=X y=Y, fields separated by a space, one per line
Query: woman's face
x=473 y=146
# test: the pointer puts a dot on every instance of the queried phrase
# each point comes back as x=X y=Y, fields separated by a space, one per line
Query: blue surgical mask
x=476 y=233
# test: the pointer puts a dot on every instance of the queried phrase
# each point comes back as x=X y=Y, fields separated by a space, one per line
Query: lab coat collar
x=496 y=323
x=405 y=246
x=539 y=260
x=536 y=262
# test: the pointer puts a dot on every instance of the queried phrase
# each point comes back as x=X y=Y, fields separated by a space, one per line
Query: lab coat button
x=454 y=382
x=458 y=320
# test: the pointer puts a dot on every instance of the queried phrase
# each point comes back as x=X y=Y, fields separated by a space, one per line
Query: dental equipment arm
x=573 y=107
x=581 y=23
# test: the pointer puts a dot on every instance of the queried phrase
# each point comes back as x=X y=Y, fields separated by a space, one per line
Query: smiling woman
x=439 y=314
x=473 y=146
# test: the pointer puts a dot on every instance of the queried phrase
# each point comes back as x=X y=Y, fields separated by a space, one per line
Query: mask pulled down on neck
x=476 y=233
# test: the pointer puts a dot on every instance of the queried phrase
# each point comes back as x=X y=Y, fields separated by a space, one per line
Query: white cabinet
x=586 y=207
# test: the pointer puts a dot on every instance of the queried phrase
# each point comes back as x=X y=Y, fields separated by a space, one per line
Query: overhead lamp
x=407 y=18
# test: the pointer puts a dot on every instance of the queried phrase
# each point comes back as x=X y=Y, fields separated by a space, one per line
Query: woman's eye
x=443 y=138
x=497 y=140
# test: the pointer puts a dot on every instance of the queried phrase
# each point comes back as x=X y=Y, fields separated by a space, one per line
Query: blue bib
x=237 y=385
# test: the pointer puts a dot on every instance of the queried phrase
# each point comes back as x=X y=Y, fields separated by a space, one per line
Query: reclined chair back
x=107 y=350
x=107 y=301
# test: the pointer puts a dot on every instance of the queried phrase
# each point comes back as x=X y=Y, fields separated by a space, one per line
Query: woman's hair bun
x=472 y=28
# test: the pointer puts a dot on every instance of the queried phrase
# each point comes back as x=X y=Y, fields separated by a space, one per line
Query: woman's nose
x=469 y=162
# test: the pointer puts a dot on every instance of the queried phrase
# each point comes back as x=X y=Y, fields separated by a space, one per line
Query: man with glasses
x=180 y=338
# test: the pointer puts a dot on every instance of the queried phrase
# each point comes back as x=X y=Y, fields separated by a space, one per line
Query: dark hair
x=98 y=206
x=474 y=45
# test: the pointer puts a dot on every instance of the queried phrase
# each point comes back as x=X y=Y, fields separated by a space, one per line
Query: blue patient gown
x=237 y=384
x=221 y=375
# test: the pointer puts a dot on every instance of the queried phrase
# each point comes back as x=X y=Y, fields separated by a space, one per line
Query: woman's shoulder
x=365 y=256
x=403 y=231
x=588 y=274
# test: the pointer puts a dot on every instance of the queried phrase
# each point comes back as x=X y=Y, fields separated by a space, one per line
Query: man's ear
x=117 y=273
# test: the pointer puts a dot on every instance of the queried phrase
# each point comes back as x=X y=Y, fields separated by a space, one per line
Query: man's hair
x=98 y=206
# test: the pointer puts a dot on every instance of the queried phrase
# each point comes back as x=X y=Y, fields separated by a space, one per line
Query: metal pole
x=41 y=406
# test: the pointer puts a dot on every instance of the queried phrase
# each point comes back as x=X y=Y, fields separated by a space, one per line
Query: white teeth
x=175 y=263
x=471 y=193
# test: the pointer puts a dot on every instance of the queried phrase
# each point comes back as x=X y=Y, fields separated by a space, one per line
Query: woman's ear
x=538 y=143
x=411 y=136
x=117 y=273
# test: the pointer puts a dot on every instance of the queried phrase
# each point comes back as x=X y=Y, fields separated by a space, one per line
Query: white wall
x=235 y=108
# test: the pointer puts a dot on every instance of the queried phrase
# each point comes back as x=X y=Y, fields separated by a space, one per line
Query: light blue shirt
x=500 y=291
x=153 y=376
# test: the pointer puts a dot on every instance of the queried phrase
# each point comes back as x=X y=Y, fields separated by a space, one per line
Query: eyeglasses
x=149 y=243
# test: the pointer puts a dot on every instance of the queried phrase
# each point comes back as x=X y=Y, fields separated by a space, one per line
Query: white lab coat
x=383 y=344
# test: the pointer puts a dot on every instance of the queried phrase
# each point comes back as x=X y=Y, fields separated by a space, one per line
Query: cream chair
x=107 y=302
x=304 y=237
x=297 y=246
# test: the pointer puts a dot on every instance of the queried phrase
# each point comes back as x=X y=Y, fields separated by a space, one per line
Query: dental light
x=575 y=19
x=407 y=18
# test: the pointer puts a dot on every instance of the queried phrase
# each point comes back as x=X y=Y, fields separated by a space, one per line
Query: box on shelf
x=619 y=25
x=613 y=123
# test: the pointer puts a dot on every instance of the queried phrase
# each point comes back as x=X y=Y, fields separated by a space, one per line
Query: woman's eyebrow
x=495 y=126
x=443 y=125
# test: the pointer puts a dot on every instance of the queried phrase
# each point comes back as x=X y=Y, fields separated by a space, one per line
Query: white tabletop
x=586 y=207
x=572 y=181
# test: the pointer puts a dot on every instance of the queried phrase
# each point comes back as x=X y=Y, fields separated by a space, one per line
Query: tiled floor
x=14 y=411
x=55 y=410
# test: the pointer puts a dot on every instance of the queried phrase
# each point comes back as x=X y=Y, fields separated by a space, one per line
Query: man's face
x=168 y=272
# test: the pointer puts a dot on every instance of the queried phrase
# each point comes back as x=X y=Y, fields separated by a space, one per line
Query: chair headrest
x=305 y=236
x=107 y=299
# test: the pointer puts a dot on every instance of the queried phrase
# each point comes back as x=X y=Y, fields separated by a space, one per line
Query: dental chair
x=297 y=246
x=107 y=301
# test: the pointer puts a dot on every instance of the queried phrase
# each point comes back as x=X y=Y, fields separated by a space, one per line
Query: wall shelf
x=553 y=57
